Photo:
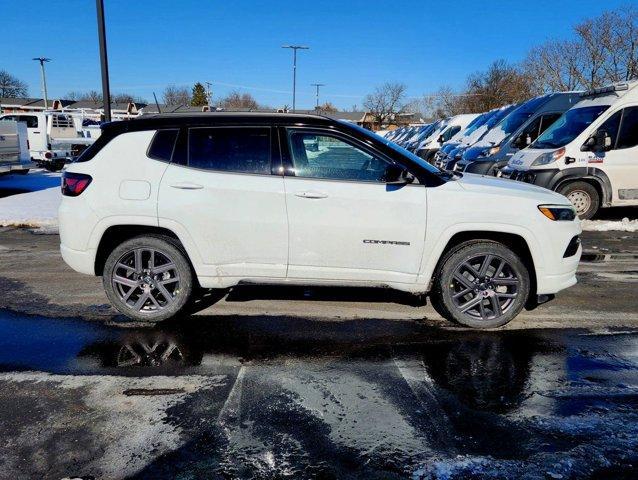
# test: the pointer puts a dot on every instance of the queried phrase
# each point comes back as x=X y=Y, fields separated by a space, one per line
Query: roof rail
x=617 y=87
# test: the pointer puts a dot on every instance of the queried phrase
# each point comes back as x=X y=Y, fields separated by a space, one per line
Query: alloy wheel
x=484 y=287
x=146 y=280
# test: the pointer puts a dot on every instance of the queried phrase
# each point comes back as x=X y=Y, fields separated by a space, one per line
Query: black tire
x=486 y=289
x=584 y=197
x=160 y=307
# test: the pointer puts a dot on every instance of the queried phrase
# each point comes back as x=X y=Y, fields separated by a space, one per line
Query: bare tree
x=386 y=101
x=11 y=86
x=604 y=51
x=174 y=95
x=327 y=107
x=239 y=101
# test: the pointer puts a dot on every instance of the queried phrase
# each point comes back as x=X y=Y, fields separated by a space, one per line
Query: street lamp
x=294 y=49
x=317 y=85
x=104 y=62
x=42 y=60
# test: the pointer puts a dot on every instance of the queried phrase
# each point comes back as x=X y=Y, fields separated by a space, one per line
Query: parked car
x=590 y=154
x=53 y=137
x=516 y=131
x=14 y=151
x=456 y=154
x=160 y=206
x=451 y=127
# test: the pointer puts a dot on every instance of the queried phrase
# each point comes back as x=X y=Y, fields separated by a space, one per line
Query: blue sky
x=236 y=44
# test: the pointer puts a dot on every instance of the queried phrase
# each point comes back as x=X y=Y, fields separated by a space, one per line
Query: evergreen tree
x=199 y=98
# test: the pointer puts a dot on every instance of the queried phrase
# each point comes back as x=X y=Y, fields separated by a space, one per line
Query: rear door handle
x=187 y=186
x=311 y=195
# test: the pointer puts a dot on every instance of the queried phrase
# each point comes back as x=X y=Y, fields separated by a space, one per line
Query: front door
x=345 y=222
x=223 y=195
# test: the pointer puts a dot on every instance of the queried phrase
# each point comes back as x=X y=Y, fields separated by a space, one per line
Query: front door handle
x=187 y=186
x=311 y=195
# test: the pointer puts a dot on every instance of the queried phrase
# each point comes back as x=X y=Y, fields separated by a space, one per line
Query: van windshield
x=568 y=126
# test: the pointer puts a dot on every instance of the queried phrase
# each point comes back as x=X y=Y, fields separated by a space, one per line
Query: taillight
x=74 y=184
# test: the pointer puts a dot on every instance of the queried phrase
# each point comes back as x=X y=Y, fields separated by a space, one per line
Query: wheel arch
x=596 y=178
x=515 y=241
x=116 y=234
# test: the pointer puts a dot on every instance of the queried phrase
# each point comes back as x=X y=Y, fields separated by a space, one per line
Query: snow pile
x=34 y=209
x=37 y=207
x=624 y=225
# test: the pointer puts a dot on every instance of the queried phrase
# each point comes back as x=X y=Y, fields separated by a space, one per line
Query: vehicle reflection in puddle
x=371 y=398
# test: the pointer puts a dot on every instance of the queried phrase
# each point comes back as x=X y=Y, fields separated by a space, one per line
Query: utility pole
x=317 y=94
x=208 y=84
x=104 y=61
x=42 y=61
x=294 y=49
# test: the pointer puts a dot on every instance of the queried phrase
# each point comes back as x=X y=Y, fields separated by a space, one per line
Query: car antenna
x=159 y=110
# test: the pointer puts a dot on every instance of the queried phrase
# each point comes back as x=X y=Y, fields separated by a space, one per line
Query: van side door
x=620 y=162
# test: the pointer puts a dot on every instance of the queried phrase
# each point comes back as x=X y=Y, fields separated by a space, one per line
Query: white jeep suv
x=163 y=206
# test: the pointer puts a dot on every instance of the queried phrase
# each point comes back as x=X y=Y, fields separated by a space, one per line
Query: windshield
x=419 y=161
x=568 y=127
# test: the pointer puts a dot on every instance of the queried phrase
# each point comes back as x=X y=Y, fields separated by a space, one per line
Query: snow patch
x=38 y=209
x=624 y=225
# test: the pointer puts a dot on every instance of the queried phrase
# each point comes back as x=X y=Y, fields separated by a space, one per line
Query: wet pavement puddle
x=282 y=397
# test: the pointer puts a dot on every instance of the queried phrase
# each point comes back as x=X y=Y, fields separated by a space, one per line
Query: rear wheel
x=583 y=196
x=148 y=278
x=481 y=284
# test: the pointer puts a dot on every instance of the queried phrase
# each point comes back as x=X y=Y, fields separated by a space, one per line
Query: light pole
x=317 y=85
x=208 y=85
x=42 y=60
x=294 y=49
x=104 y=61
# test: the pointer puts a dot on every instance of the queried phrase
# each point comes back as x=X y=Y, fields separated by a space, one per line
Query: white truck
x=590 y=154
x=53 y=137
x=14 y=150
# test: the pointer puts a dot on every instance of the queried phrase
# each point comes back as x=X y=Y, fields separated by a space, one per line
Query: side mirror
x=589 y=144
x=440 y=139
x=603 y=140
x=397 y=175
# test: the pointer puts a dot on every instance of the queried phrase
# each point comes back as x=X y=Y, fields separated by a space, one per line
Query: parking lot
x=330 y=383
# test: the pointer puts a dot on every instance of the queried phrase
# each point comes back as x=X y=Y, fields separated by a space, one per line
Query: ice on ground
x=38 y=209
x=624 y=225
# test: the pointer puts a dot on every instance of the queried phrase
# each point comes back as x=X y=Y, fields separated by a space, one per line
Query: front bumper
x=542 y=177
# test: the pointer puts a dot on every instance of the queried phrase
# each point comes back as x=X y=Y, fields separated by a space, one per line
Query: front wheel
x=584 y=197
x=148 y=278
x=481 y=284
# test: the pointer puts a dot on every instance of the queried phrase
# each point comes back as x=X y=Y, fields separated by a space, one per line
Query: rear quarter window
x=162 y=145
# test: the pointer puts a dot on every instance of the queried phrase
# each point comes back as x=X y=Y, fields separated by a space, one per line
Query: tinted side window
x=325 y=156
x=162 y=145
x=611 y=126
x=9 y=118
x=530 y=132
x=30 y=120
x=628 y=136
x=230 y=149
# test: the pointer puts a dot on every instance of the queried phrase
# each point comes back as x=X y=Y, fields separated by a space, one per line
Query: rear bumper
x=78 y=260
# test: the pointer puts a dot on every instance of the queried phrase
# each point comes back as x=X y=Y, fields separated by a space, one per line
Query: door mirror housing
x=600 y=141
x=440 y=139
x=397 y=175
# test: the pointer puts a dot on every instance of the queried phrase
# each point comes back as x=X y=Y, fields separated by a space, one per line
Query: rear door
x=345 y=222
x=221 y=192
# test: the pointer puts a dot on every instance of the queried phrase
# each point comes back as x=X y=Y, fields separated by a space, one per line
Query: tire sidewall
x=461 y=255
x=176 y=254
x=594 y=197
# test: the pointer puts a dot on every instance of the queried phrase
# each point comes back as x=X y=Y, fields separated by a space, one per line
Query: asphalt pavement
x=315 y=383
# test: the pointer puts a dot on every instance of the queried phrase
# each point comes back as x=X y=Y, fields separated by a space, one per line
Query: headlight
x=558 y=213
x=549 y=157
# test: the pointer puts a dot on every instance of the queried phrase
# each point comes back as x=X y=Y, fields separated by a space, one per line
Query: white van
x=14 y=152
x=590 y=154
x=449 y=127
x=53 y=137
